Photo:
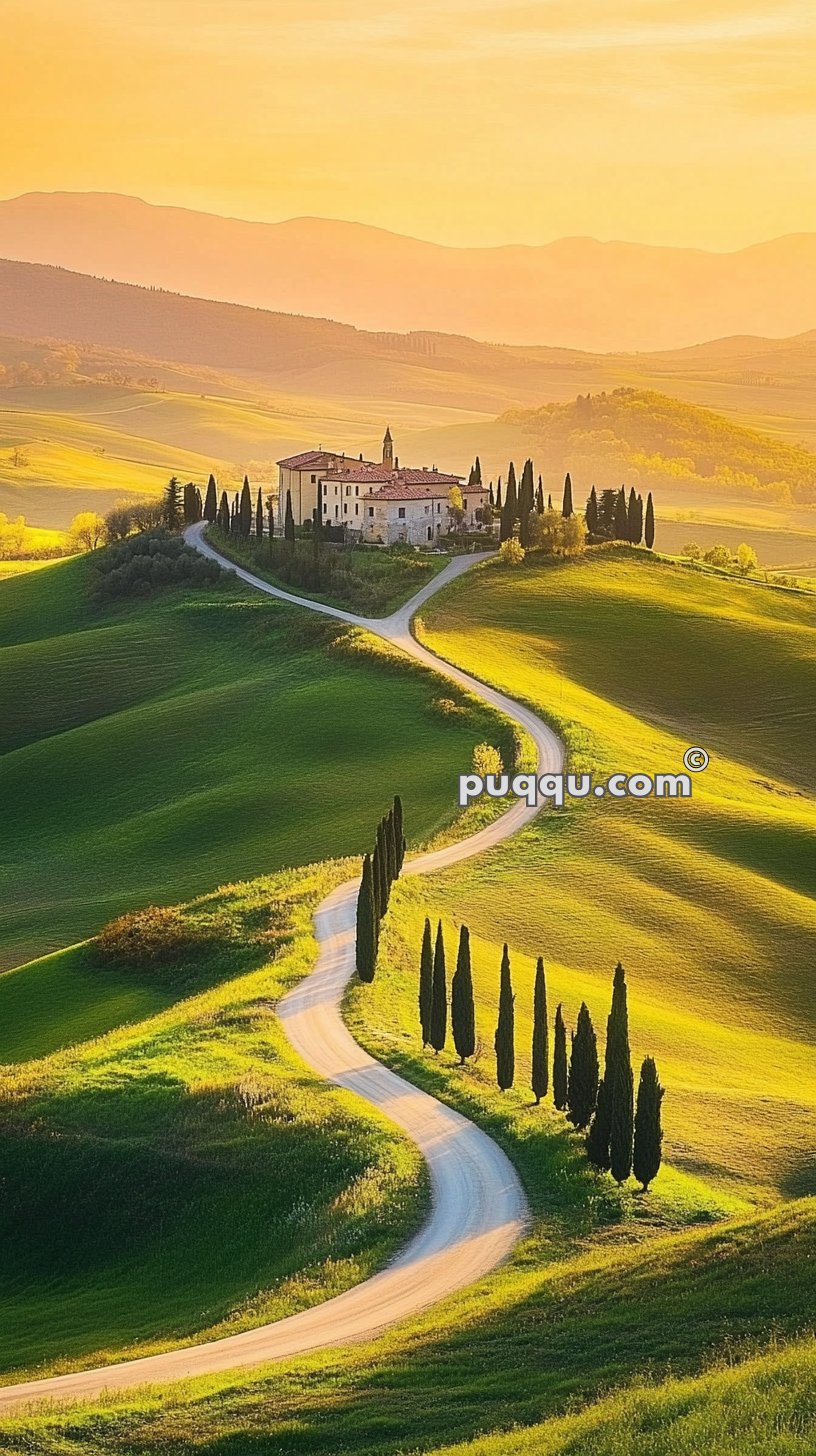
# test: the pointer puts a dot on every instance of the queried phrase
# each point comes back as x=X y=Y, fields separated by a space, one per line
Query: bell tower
x=388 y=450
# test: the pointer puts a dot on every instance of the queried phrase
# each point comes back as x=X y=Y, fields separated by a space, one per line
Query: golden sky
x=463 y=121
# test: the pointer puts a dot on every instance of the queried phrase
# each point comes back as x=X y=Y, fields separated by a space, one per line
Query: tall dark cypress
x=317 y=519
x=439 y=995
x=499 y=496
x=560 y=1061
x=270 y=511
x=639 y=526
x=366 y=949
x=649 y=528
x=540 y=497
x=399 y=832
x=224 y=513
x=631 y=517
x=582 y=1087
x=648 y=1150
x=172 y=504
x=289 y=520
x=477 y=471
x=381 y=862
x=540 y=1059
x=549 y=502
x=619 y=1080
x=211 y=501
x=621 y=518
x=245 y=508
x=426 y=983
x=259 y=517
x=490 y=496
x=592 y=513
x=390 y=846
x=463 y=1014
x=505 y=1039
x=526 y=502
x=566 y=508
x=600 y=1129
x=510 y=507
x=199 y=515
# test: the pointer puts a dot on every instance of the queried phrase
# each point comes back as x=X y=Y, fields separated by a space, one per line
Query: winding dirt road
x=478 y=1209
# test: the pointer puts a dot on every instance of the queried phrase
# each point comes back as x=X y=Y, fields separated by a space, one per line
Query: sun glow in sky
x=464 y=121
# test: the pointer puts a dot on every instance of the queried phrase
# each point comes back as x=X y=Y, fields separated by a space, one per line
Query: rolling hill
x=576 y=292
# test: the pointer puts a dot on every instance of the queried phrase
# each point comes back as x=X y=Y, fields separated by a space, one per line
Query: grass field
x=183 y=1175
x=154 y=749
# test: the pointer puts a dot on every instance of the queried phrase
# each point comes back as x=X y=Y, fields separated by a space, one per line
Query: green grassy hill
x=152 y=749
x=182 y=1176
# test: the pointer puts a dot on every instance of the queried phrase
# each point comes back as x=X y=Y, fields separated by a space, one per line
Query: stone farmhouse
x=376 y=502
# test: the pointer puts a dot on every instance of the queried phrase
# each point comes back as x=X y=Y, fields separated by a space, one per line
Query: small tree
x=463 y=1014
x=746 y=559
x=718 y=556
x=566 y=508
x=511 y=552
x=456 y=507
x=600 y=1129
x=426 y=983
x=439 y=995
x=582 y=1087
x=560 y=1077
x=692 y=551
x=505 y=1038
x=259 y=517
x=540 y=1058
x=486 y=760
x=366 y=947
x=591 y=516
x=87 y=531
x=289 y=520
x=649 y=529
x=211 y=501
x=648 y=1150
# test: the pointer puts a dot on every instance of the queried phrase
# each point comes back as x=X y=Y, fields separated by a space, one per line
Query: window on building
x=345 y=509
x=356 y=490
x=438 y=507
x=336 y=512
x=401 y=512
x=356 y=510
x=314 y=480
x=371 y=510
x=348 y=490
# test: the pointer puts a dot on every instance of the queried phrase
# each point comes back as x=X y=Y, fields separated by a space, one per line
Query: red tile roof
x=316 y=459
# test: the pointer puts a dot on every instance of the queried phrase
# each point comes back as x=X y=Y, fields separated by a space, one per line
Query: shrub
x=487 y=760
x=145 y=563
x=511 y=552
x=160 y=940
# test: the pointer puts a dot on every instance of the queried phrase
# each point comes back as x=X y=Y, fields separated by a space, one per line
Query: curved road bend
x=478 y=1209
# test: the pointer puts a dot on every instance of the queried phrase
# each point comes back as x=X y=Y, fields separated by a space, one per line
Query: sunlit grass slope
x=183 y=1176
x=152 y=749
x=707 y=901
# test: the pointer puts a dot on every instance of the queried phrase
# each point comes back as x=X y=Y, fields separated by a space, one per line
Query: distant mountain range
x=576 y=292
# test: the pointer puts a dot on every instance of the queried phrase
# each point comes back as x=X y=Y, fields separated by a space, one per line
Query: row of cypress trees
x=240 y=516
x=522 y=499
x=380 y=869
x=611 y=517
x=621 y=1138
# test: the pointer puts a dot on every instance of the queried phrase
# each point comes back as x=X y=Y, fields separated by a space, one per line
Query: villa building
x=379 y=503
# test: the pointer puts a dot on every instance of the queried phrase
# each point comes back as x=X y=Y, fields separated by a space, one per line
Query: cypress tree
x=439 y=995
x=381 y=859
x=560 y=1061
x=540 y=497
x=172 y=504
x=631 y=517
x=490 y=496
x=639 y=526
x=399 y=833
x=505 y=1028
x=540 y=1060
x=619 y=1080
x=592 y=513
x=426 y=983
x=259 y=515
x=289 y=520
x=366 y=951
x=499 y=496
x=526 y=503
x=648 y=1150
x=510 y=507
x=582 y=1087
x=477 y=471
x=549 y=502
x=211 y=501
x=189 y=506
x=599 y=1130
x=566 y=508
x=223 y=513
x=463 y=1015
x=270 y=511
x=199 y=515
x=245 y=509
x=621 y=519
x=649 y=529
x=390 y=846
